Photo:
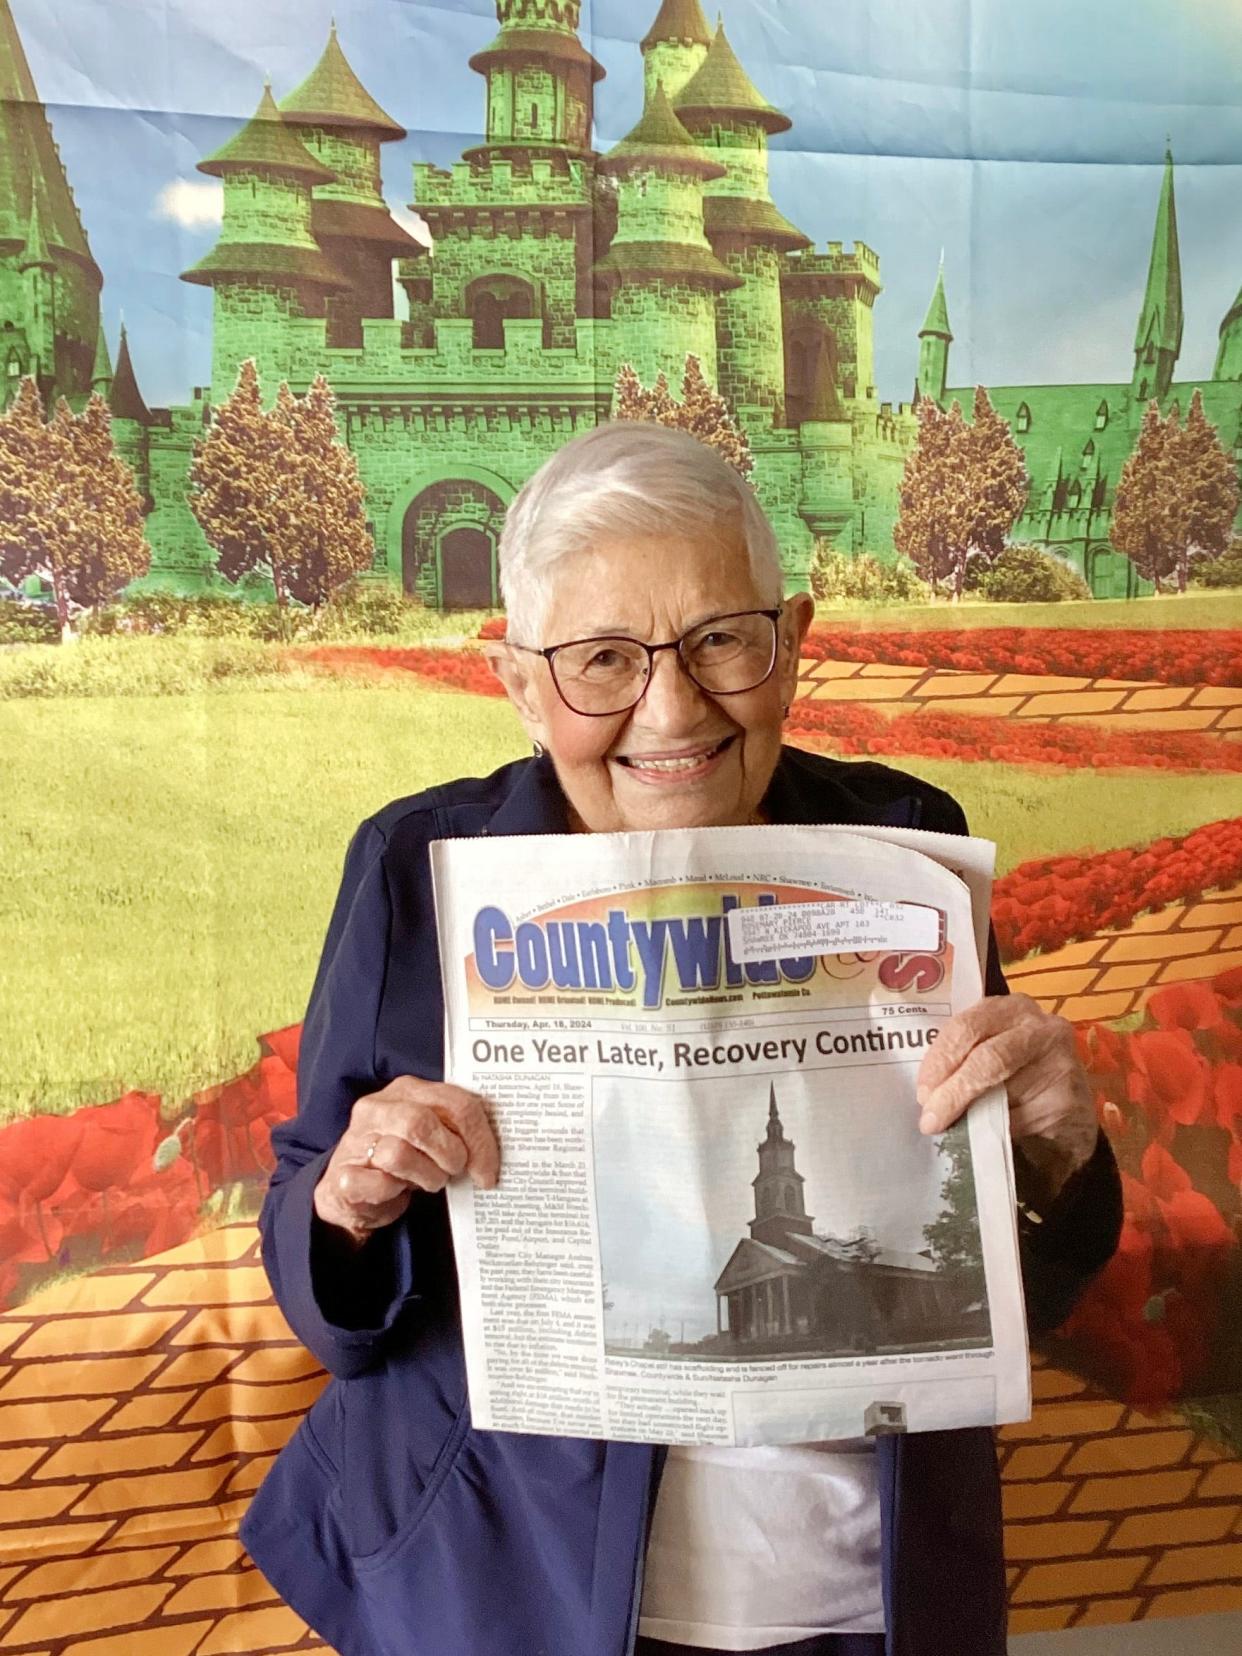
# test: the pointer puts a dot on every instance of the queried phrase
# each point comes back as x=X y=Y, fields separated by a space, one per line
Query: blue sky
x=1026 y=140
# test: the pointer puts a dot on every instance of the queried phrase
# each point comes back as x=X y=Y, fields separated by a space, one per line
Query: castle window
x=1088 y=454
x=13 y=368
x=1059 y=494
x=1143 y=390
x=1098 y=493
x=1073 y=498
x=534 y=117
x=1101 y=416
x=1022 y=419
x=490 y=301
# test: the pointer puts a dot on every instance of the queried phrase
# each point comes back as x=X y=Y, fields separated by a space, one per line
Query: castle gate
x=450 y=531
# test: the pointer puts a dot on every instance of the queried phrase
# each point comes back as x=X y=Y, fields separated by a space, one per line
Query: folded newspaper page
x=717 y=1221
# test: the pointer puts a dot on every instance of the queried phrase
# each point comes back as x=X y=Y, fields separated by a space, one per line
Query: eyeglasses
x=724 y=656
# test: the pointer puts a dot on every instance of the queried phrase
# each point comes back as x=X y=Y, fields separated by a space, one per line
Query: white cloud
x=413 y=222
x=191 y=203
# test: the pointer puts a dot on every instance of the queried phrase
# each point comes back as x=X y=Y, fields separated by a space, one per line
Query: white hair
x=625 y=477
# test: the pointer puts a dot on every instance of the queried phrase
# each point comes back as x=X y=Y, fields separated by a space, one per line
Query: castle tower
x=45 y=259
x=513 y=221
x=267 y=269
x=780 y=1207
x=674 y=47
x=731 y=119
x=1158 y=337
x=343 y=128
x=935 y=337
x=101 y=373
x=662 y=272
x=540 y=79
x=39 y=292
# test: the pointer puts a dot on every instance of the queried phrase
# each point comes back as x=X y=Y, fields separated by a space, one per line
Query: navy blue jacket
x=391 y=1525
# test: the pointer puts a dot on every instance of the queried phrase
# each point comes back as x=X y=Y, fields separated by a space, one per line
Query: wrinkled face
x=682 y=758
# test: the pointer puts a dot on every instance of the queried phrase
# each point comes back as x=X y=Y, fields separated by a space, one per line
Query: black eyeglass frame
x=550 y=651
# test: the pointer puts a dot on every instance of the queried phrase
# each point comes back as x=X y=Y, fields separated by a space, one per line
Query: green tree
x=276 y=489
x=963 y=488
x=70 y=511
x=1209 y=479
x=1148 y=520
x=953 y=1236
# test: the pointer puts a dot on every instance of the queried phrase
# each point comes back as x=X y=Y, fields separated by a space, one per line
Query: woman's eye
x=717 y=639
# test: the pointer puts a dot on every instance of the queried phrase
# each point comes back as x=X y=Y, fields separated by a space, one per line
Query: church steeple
x=780 y=1208
x=1158 y=337
x=935 y=337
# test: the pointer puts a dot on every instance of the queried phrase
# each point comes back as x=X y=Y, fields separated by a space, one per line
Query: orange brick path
x=1110 y=975
x=140 y=1406
x=1113 y=703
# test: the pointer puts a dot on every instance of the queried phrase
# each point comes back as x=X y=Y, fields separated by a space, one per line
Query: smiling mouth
x=679 y=762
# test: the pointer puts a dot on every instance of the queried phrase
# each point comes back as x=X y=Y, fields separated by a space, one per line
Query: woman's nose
x=673 y=701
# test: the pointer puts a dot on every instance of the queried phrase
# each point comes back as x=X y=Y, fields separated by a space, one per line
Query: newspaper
x=717 y=1221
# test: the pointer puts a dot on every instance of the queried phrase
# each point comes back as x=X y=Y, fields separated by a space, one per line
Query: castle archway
x=448 y=532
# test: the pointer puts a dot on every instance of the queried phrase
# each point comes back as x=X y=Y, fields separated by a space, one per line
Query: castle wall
x=750 y=331
x=658 y=323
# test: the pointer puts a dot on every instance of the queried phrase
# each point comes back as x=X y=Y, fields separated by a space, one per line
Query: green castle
x=459 y=368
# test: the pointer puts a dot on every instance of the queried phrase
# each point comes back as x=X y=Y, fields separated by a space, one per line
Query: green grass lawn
x=170 y=861
x=1195 y=609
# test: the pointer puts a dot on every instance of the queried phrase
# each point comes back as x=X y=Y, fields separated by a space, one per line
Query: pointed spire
x=1160 y=320
x=722 y=87
x=679 y=21
x=30 y=165
x=125 y=399
x=266 y=145
x=772 y=1115
x=937 y=319
x=660 y=140
x=333 y=96
x=35 y=253
x=101 y=373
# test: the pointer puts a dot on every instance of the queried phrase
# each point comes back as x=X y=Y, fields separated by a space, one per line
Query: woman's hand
x=1010 y=1040
x=412 y=1135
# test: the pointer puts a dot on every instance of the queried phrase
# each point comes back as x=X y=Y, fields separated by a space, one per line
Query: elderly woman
x=388 y=1522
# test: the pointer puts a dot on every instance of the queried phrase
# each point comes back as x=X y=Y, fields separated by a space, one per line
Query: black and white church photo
x=797 y=1215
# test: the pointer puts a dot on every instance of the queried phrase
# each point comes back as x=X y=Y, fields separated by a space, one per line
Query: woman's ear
x=516 y=671
x=798 y=614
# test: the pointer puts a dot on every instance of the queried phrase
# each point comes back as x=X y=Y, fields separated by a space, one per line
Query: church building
x=786 y=1290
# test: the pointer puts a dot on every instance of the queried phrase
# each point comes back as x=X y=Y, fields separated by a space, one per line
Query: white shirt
x=755 y=1547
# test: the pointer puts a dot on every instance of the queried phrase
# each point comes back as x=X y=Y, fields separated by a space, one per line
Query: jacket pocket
x=400 y=1428
x=442 y=1466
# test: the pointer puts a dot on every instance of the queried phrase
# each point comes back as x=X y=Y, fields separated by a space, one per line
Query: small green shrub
x=27 y=624
x=1225 y=571
x=845 y=577
x=1027 y=575
x=144 y=667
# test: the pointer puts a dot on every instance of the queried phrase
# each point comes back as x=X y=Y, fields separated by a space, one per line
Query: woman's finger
x=989 y=1063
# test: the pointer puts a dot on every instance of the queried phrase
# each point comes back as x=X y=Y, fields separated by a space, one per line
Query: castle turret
x=1158 y=337
x=540 y=79
x=343 y=128
x=935 y=337
x=722 y=108
x=661 y=269
x=45 y=259
x=780 y=1206
x=126 y=400
x=267 y=269
x=674 y=46
x=39 y=291
x=101 y=373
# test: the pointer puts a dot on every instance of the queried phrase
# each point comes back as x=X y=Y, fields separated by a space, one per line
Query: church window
x=789 y=1201
x=1101 y=416
x=1022 y=419
x=1088 y=454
